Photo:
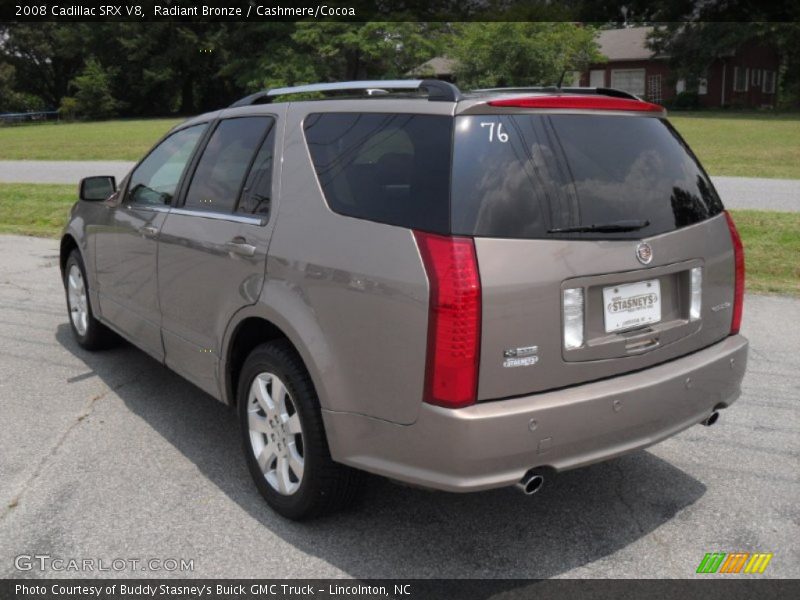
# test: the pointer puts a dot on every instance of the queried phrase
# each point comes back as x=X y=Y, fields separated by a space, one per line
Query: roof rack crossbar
x=437 y=90
x=602 y=91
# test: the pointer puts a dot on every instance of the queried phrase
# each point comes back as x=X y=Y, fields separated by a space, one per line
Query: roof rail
x=602 y=91
x=437 y=90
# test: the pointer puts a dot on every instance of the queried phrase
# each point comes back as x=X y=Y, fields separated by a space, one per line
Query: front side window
x=156 y=178
x=533 y=176
x=389 y=168
x=219 y=176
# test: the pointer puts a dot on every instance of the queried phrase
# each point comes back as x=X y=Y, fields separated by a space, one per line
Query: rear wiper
x=616 y=226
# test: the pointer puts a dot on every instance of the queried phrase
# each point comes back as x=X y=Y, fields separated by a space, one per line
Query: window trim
x=179 y=202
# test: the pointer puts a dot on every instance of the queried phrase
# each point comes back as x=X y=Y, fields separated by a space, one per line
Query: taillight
x=454 y=319
x=578 y=102
x=738 y=292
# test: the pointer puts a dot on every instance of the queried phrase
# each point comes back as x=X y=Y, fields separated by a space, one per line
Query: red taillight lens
x=454 y=319
x=738 y=293
x=579 y=102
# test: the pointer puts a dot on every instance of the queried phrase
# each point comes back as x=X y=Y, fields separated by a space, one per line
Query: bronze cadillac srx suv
x=456 y=290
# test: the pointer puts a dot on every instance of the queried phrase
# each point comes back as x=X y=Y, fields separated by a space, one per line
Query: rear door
x=529 y=186
x=212 y=249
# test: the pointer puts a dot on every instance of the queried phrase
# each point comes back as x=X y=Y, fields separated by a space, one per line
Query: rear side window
x=523 y=176
x=390 y=168
x=257 y=193
x=219 y=176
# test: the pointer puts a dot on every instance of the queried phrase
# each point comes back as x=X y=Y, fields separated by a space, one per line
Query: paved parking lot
x=110 y=455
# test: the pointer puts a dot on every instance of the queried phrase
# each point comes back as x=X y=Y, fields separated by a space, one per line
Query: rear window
x=390 y=168
x=524 y=176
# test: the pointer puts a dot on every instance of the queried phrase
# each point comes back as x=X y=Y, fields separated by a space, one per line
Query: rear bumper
x=493 y=444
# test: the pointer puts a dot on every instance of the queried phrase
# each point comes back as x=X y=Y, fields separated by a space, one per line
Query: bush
x=68 y=109
x=93 y=97
x=685 y=101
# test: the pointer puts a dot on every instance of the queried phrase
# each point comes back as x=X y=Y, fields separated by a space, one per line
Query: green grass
x=102 y=140
x=771 y=249
x=771 y=239
x=745 y=144
x=34 y=209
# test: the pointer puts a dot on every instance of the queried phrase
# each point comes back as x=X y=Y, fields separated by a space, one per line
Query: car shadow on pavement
x=401 y=532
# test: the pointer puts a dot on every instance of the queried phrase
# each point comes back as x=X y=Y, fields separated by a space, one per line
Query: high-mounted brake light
x=738 y=291
x=578 y=102
x=454 y=319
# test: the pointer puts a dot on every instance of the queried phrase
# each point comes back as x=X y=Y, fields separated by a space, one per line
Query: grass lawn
x=771 y=241
x=102 y=140
x=35 y=209
x=744 y=144
x=747 y=144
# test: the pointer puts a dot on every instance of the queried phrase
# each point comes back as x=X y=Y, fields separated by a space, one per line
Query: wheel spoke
x=279 y=396
x=282 y=475
x=259 y=389
x=266 y=457
x=258 y=423
x=293 y=424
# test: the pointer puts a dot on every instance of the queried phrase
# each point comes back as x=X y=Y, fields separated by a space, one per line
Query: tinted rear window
x=390 y=168
x=521 y=176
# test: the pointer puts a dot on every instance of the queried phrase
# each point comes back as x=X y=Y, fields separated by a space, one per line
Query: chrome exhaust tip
x=530 y=483
x=712 y=418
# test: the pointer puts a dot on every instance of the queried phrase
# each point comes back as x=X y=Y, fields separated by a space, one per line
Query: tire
x=90 y=333
x=270 y=431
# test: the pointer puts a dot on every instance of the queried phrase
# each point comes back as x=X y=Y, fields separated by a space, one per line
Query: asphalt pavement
x=736 y=192
x=111 y=456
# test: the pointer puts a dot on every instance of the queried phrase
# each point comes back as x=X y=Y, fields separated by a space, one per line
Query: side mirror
x=95 y=189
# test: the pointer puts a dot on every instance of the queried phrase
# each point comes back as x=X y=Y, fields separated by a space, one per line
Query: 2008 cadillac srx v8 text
x=456 y=290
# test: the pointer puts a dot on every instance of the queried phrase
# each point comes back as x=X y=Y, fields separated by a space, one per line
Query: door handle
x=148 y=231
x=239 y=245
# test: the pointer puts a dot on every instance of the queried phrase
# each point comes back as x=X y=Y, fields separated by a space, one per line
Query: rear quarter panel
x=355 y=291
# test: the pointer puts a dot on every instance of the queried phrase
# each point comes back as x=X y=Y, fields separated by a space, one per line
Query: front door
x=125 y=246
x=213 y=248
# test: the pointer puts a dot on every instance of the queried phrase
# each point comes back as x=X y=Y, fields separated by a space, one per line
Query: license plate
x=632 y=305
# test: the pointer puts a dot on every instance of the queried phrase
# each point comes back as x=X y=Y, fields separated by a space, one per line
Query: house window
x=654 y=88
x=680 y=86
x=629 y=80
x=740 y=75
x=755 y=80
x=597 y=78
x=769 y=82
x=702 y=86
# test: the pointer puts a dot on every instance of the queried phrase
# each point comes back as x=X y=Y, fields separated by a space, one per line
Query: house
x=745 y=77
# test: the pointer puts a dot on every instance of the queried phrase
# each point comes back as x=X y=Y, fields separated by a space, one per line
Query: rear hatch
x=600 y=240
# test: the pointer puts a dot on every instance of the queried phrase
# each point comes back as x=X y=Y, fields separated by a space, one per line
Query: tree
x=93 y=97
x=350 y=51
x=693 y=47
x=520 y=54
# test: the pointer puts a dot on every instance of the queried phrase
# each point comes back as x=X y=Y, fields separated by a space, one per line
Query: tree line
x=100 y=70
